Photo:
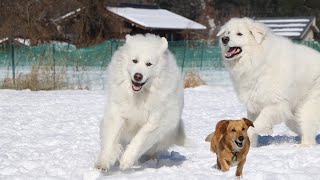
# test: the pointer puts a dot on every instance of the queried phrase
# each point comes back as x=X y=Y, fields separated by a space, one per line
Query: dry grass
x=192 y=79
x=42 y=76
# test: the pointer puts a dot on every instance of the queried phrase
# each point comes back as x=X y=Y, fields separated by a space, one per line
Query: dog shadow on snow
x=264 y=140
x=164 y=159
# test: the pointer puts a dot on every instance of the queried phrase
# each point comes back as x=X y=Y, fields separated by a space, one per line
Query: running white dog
x=145 y=102
x=277 y=80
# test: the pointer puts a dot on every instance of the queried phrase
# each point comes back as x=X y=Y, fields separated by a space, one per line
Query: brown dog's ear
x=224 y=126
x=248 y=122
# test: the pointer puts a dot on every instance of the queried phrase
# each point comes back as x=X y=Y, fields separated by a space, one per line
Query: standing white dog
x=277 y=80
x=145 y=102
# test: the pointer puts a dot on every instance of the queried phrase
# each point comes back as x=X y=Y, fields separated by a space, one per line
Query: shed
x=152 y=19
x=15 y=41
x=297 y=28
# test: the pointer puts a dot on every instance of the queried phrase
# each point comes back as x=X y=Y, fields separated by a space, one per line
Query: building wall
x=309 y=35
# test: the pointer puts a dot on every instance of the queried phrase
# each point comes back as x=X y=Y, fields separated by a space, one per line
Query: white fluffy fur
x=147 y=121
x=277 y=80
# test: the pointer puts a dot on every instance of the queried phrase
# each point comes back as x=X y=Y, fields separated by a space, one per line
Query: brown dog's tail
x=209 y=137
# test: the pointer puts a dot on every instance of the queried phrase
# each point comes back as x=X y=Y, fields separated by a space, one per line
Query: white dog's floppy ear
x=164 y=45
x=258 y=30
x=128 y=37
x=222 y=30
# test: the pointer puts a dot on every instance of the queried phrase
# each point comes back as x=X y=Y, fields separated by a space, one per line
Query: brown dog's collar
x=234 y=157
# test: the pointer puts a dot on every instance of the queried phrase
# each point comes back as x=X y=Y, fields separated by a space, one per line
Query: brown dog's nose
x=241 y=138
x=138 y=77
x=225 y=39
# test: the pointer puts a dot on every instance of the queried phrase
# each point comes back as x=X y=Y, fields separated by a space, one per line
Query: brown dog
x=231 y=143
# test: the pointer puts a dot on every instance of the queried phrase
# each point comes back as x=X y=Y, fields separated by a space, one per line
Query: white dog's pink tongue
x=136 y=88
x=230 y=52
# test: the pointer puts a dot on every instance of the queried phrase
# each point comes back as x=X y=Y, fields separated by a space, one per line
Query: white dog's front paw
x=254 y=140
x=253 y=137
x=101 y=165
x=106 y=159
x=308 y=141
x=126 y=162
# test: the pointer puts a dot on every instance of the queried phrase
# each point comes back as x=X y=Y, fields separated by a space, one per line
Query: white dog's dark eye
x=239 y=34
x=135 y=61
x=148 y=64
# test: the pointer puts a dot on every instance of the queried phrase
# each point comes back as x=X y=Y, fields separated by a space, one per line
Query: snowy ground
x=54 y=135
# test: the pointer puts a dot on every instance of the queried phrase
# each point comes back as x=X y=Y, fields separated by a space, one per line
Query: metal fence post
x=54 y=66
x=111 y=50
x=13 y=65
x=184 y=55
x=202 y=49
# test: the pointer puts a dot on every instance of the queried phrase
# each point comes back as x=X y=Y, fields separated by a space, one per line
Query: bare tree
x=33 y=19
x=97 y=23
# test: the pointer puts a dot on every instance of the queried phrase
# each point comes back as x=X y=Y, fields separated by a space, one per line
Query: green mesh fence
x=58 y=66
x=196 y=54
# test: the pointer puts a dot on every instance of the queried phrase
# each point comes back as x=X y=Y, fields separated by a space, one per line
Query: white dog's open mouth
x=238 y=143
x=137 y=86
x=232 y=52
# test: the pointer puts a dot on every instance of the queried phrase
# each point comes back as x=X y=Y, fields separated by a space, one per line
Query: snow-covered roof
x=293 y=27
x=3 y=40
x=67 y=15
x=23 y=41
x=27 y=42
x=17 y=40
x=155 y=18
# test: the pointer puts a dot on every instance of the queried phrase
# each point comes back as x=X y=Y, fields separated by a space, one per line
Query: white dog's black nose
x=138 y=77
x=225 y=39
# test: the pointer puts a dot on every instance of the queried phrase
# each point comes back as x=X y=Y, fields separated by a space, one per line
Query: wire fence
x=63 y=66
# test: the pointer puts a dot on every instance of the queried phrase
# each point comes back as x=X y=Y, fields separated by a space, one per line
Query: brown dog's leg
x=218 y=164
x=224 y=165
x=240 y=167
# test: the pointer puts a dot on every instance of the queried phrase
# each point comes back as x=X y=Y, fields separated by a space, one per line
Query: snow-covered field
x=55 y=135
